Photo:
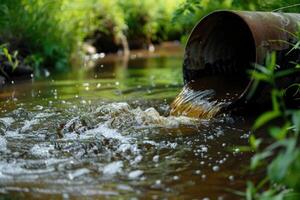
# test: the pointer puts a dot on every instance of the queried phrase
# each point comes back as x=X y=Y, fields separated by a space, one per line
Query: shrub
x=46 y=32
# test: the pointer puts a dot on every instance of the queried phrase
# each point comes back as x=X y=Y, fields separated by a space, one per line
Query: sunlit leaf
x=254 y=143
x=275 y=102
x=279 y=133
x=271 y=61
x=260 y=76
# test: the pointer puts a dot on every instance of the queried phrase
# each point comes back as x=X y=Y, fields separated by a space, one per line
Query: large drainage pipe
x=224 y=45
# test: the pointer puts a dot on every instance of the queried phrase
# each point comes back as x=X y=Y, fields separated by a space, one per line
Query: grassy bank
x=50 y=34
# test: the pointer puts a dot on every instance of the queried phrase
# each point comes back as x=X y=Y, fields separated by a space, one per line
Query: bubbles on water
x=156 y=158
x=131 y=144
x=231 y=178
x=216 y=168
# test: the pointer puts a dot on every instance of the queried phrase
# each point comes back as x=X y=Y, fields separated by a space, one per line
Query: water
x=106 y=132
x=196 y=103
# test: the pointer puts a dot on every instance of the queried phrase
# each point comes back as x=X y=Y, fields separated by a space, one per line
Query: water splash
x=196 y=103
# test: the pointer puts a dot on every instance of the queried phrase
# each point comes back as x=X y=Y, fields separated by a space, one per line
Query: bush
x=281 y=157
x=46 y=32
x=149 y=20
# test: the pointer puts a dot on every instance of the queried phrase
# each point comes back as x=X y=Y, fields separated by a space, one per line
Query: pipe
x=224 y=45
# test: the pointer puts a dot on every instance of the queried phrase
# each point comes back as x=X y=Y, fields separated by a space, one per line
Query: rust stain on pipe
x=225 y=44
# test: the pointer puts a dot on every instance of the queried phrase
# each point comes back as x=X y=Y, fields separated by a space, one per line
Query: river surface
x=105 y=132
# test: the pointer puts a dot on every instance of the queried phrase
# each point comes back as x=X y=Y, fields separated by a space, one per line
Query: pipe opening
x=219 y=52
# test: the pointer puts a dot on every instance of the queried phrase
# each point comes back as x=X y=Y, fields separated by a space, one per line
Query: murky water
x=105 y=132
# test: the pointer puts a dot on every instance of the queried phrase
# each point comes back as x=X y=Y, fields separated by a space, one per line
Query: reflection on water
x=105 y=132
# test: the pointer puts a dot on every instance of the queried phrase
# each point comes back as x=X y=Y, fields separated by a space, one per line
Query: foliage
x=9 y=57
x=150 y=19
x=282 y=157
x=40 y=28
x=50 y=32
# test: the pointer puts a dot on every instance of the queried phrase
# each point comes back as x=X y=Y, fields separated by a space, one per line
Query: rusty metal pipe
x=224 y=45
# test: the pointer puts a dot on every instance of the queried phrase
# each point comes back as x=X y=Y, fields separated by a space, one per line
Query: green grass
x=49 y=33
x=40 y=31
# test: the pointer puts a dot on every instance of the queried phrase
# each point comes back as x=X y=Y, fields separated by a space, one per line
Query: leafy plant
x=282 y=156
x=10 y=58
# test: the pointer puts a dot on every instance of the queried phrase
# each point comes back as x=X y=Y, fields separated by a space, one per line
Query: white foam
x=3 y=144
x=78 y=173
x=43 y=115
x=7 y=121
x=135 y=174
x=41 y=150
x=13 y=134
x=113 y=168
x=28 y=124
x=120 y=115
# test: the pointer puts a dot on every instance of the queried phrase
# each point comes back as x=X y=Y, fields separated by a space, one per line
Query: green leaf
x=253 y=88
x=284 y=73
x=279 y=133
x=275 y=103
x=296 y=121
x=278 y=168
x=254 y=143
x=271 y=61
x=260 y=76
x=265 y=118
x=250 y=191
x=257 y=158
x=7 y=55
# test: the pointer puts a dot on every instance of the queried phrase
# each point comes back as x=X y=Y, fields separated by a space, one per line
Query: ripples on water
x=67 y=145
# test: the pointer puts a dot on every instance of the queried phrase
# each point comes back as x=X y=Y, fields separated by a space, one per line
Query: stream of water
x=105 y=132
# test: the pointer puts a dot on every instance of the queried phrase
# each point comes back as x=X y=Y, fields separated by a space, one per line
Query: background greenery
x=50 y=33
